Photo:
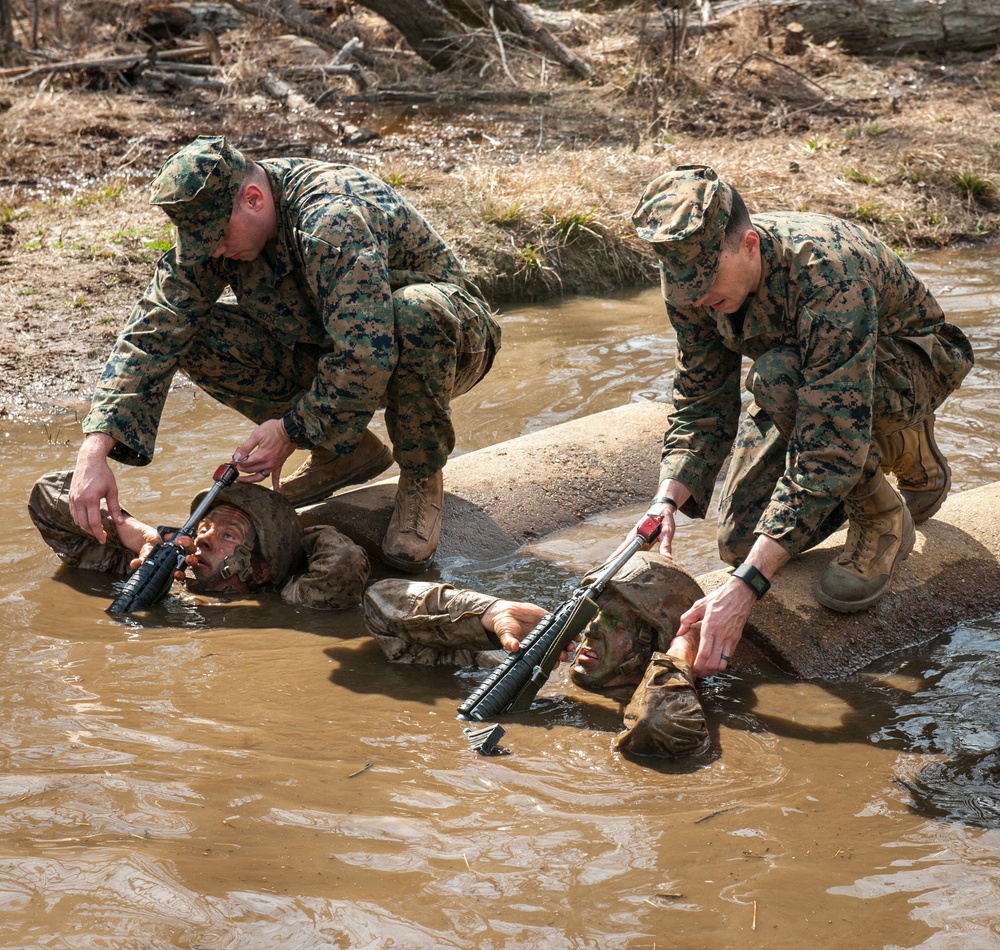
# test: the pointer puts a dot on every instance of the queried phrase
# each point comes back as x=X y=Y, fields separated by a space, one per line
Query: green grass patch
x=503 y=215
x=973 y=185
x=870 y=130
x=852 y=174
x=567 y=225
x=108 y=192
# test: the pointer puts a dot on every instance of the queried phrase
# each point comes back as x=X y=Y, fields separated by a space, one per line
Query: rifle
x=151 y=581
x=512 y=686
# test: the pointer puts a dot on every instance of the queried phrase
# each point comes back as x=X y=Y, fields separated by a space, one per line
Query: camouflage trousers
x=447 y=340
x=906 y=391
x=48 y=506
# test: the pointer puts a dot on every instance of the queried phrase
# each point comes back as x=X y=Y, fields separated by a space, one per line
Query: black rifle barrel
x=155 y=574
x=513 y=684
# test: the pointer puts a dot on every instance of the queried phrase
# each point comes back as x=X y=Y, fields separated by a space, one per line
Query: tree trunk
x=447 y=33
x=889 y=26
x=6 y=32
x=438 y=30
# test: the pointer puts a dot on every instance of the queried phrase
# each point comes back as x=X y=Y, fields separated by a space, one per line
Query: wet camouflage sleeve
x=831 y=290
x=337 y=573
x=346 y=241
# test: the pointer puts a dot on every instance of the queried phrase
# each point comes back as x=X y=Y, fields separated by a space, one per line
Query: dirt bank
x=533 y=183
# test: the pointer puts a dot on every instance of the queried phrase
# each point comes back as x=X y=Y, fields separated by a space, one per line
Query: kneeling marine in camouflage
x=625 y=646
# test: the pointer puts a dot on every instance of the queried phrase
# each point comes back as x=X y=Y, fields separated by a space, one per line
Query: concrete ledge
x=500 y=497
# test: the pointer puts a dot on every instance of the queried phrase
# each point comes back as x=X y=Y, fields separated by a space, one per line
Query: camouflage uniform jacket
x=345 y=241
x=832 y=291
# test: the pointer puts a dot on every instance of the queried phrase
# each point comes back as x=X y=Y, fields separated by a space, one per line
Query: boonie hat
x=196 y=187
x=684 y=214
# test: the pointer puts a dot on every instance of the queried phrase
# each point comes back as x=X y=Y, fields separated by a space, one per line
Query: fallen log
x=19 y=73
x=887 y=26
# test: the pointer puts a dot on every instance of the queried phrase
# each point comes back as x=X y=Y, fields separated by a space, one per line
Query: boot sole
x=853 y=606
x=406 y=566
x=363 y=474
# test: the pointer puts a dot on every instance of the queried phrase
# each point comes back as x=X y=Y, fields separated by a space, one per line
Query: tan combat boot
x=323 y=473
x=879 y=536
x=412 y=536
x=922 y=472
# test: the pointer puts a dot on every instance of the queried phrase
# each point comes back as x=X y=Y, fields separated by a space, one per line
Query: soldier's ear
x=252 y=197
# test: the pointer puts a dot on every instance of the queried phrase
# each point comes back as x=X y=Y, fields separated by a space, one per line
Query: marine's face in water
x=609 y=642
x=219 y=534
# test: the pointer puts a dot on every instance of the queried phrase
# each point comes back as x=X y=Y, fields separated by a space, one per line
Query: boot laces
x=416 y=499
x=862 y=533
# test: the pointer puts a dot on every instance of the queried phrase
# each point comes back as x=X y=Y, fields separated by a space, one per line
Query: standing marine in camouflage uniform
x=345 y=300
x=629 y=650
x=851 y=356
x=250 y=539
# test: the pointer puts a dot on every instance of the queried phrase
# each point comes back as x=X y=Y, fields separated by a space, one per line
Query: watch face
x=759 y=584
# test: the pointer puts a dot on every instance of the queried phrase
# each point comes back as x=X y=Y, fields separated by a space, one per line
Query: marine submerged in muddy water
x=851 y=356
x=629 y=650
x=345 y=300
x=250 y=540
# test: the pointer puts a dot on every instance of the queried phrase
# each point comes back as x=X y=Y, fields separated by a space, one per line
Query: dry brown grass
x=535 y=193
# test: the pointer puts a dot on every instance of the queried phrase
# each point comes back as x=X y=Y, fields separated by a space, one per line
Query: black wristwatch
x=753 y=578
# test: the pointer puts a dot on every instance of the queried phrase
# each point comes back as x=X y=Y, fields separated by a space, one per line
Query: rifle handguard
x=155 y=575
x=513 y=685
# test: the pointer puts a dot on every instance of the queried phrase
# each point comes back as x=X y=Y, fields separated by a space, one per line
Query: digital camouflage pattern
x=664 y=716
x=847 y=343
x=196 y=187
x=48 y=506
x=357 y=305
x=684 y=214
x=336 y=573
x=333 y=577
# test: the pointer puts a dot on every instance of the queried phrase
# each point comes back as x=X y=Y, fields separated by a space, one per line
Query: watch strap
x=753 y=578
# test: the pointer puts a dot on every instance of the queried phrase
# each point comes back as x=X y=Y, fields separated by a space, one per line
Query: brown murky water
x=248 y=775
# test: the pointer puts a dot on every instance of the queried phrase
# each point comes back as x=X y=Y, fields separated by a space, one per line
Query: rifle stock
x=152 y=579
x=512 y=686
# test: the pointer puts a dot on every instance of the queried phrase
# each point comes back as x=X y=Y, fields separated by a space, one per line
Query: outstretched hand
x=94 y=482
x=264 y=453
x=511 y=621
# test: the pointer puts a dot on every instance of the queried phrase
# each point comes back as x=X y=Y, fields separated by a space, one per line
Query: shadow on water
x=955 y=714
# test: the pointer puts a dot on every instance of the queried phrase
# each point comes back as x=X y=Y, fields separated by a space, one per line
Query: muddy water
x=248 y=775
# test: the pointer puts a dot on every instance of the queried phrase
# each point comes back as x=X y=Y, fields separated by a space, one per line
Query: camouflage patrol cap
x=684 y=214
x=196 y=187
